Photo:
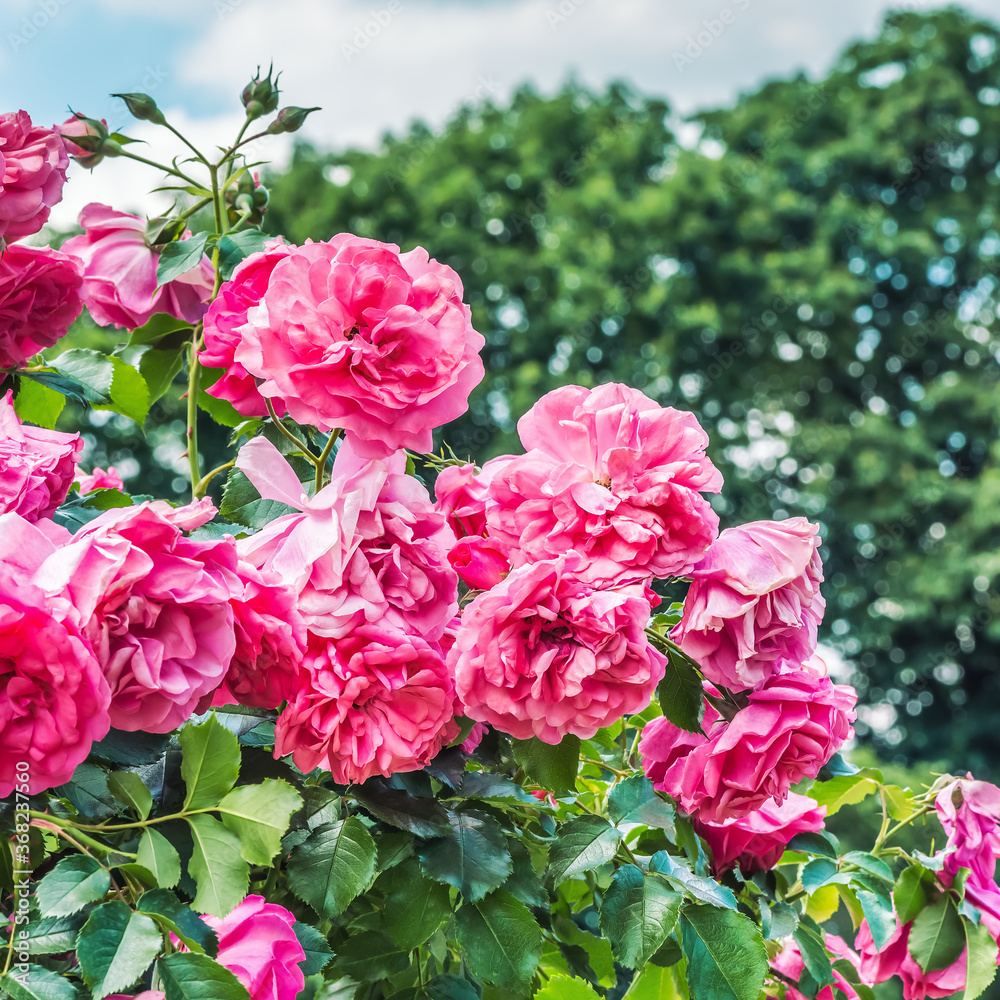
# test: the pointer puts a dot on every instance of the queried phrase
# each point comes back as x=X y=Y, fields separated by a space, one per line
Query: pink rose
x=39 y=298
x=609 y=474
x=754 y=602
x=119 y=283
x=894 y=959
x=223 y=321
x=369 y=547
x=789 y=963
x=480 y=562
x=163 y=628
x=270 y=641
x=789 y=729
x=758 y=839
x=471 y=742
x=545 y=654
x=37 y=466
x=372 y=702
x=351 y=334
x=78 y=126
x=99 y=479
x=258 y=945
x=461 y=495
x=32 y=173
x=969 y=811
x=53 y=696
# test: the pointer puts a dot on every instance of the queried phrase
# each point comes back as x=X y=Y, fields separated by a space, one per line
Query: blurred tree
x=816 y=278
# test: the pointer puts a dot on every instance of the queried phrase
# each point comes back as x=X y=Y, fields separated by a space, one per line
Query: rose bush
x=323 y=736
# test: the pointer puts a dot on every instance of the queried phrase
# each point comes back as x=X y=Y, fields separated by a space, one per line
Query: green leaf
x=158 y=368
x=129 y=393
x=316 y=947
x=448 y=987
x=501 y=940
x=243 y=504
x=778 y=920
x=157 y=328
x=53 y=935
x=909 y=895
x=71 y=885
x=814 y=956
x=179 y=257
x=655 y=983
x=937 y=936
x=844 y=790
x=368 y=956
x=637 y=913
x=473 y=857
x=128 y=788
x=216 y=866
x=900 y=802
x=680 y=694
x=197 y=977
x=981 y=961
x=334 y=864
x=634 y=800
x=524 y=883
x=701 y=888
x=115 y=948
x=169 y=912
x=582 y=844
x=93 y=371
x=220 y=410
x=566 y=988
x=156 y=854
x=211 y=763
x=36 y=403
x=39 y=984
x=725 y=953
x=821 y=871
x=878 y=912
x=259 y=815
x=415 y=906
x=233 y=249
x=419 y=816
x=815 y=842
x=552 y=767
x=869 y=863
x=131 y=749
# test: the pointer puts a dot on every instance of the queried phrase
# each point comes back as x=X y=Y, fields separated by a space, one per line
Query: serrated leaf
x=524 y=883
x=415 y=906
x=823 y=903
x=420 y=816
x=233 y=249
x=843 y=790
x=72 y=884
x=936 y=936
x=334 y=864
x=900 y=802
x=220 y=410
x=259 y=815
x=368 y=956
x=210 y=765
x=815 y=842
x=219 y=872
x=39 y=984
x=869 y=863
x=635 y=801
x=638 y=912
x=725 y=953
x=655 y=983
x=91 y=370
x=158 y=368
x=821 y=871
x=128 y=788
x=814 y=957
x=53 y=935
x=473 y=857
x=39 y=404
x=158 y=856
x=131 y=749
x=128 y=394
x=582 y=844
x=680 y=694
x=157 y=328
x=501 y=940
x=566 y=988
x=316 y=947
x=243 y=504
x=779 y=920
x=981 y=959
x=169 y=912
x=699 y=887
x=879 y=914
x=179 y=257
x=188 y=976
x=115 y=948
x=909 y=895
x=552 y=767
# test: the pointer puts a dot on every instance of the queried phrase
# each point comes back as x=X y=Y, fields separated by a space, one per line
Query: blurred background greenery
x=812 y=271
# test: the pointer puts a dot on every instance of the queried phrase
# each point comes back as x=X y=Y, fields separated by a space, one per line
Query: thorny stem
x=324 y=455
x=202 y=488
x=301 y=445
x=159 y=166
x=194 y=149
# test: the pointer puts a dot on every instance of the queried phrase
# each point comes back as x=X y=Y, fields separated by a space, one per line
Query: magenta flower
x=969 y=811
x=789 y=963
x=480 y=562
x=33 y=166
x=461 y=495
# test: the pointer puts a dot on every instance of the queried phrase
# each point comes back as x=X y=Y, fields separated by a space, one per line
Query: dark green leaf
x=909 y=895
x=158 y=327
x=552 y=767
x=637 y=914
x=93 y=371
x=680 y=694
x=220 y=410
x=115 y=948
x=878 y=911
x=981 y=960
x=235 y=248
x=501 y=940
x=179 y=257
x=51 y=379
x=333 y=865
x=53 y=935
x=835 y=766
x=243 y=504
x=584 y=843
x=814 y=956
x=415 y=906
x=699 y=887
x=815 y=842
x=368 y=956
x=937 y=936
x=869 y=863
x=447 y=987
x=72 y=884
x=316 y=947
x=492 y=787
x=127 y=787
x=131 y=749
x=822 y=871
x=88 y=792
x=725 y=953
x=420 y=816
x=778 y=920
x=39 y=984
x=169 y=911
x=158 y=368
x=524 y=883
x=211 y=763
x=634 y=800
x=473 y=857
x=187 y=976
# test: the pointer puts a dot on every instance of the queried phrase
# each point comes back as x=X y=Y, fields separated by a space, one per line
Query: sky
x=375 y=65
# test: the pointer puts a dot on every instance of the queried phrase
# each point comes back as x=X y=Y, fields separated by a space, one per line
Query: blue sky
x=374 y=65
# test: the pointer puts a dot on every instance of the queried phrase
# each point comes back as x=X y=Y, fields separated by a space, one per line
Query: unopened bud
x=143 y=107
x=260 y=97
x=289 y=120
